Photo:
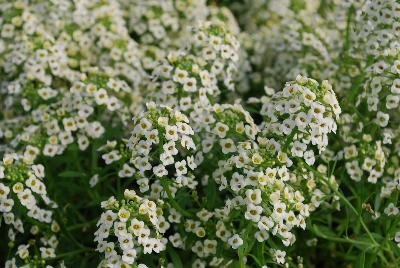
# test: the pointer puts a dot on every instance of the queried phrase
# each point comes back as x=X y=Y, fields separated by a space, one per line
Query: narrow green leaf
x=361 y=261
x=211 y=194
x=176 y=260
x=71 y=174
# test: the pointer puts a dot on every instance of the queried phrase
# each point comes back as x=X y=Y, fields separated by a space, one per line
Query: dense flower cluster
x=136 y=224
x=22 y=185
x=201 y=72
x=185 y=133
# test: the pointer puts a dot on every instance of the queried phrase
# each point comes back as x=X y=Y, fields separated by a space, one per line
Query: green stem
x=165 y=185
x=339 y=239
x=345 y=200
x=72 y=253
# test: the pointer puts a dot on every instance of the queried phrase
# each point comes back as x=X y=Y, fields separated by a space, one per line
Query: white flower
x=69 y=124
x=235 y=241
x=95 y=129
x=254 y=196
x=180 y=76
x=220 y=130
x=180 y=168
x=253 y=212
x=1 y=172
x=111 y=157
x=279 y=256
x=350 y=152
x=396 y=67
x=382 y=119
x=113 y=104
x=152 y=136
x=188 y=142
x=395 y=88
x=126 y=171
x=38 y=170
x=47 y=252
x=144 y=125
x=50 y=150
x=65 y=137
x=94 y=180
x=6 y=205
x=83 y=142
x=308 y=96
x=27 y=199
x=47 y=93
x=265 y=223
x=23 y=251
x=129 y=256
x=123 y=215
x=392 y=101
x=368 y=164
x=298 y=149
x=228 y=146
x=160 y=171
x=101 y=96
x=391 y=210
x=170 y=149
x=4 y=190
x=309 y=157
x=190 y=85
x=171 y=133
x=302 y=120
x=143 y=184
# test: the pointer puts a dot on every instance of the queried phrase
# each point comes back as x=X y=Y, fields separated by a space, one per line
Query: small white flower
x=190 y=85
x=171 y=133
x=126 y=171
x=220 y=130
x=279 y=256
x=391 y=210
x=101 y=96
x=254 y=196
x=181 y=168
x=2 y=172
x=309 y=157
x=160 y=171
x=180 y=76
x=4 y=190
x=94 y=180
x=382 y=119
x=111 y=157
x=69 y=124
x=123 y=215
x=253 y=212
x=235 y=241
x=228 y=146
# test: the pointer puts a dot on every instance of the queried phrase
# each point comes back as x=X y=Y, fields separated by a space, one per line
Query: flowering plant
x=182 y=133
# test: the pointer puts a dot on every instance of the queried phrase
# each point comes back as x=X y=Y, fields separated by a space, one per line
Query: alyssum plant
x=181 y=133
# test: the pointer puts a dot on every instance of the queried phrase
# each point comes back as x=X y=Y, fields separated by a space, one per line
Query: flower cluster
x=21 y=185
x=137 y=225
x=39 y=252
x=197 y=73
x=162 y=146
x=27 y=210
x=304 y=111
x=165 y=24
x=199 y=133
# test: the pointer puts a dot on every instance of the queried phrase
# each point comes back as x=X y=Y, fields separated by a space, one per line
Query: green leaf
x=322 y=231
x=71 y=174
x=211 y=194
x=176 y=260
x=367 y=240
x=256 y=259
x=360 y=263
